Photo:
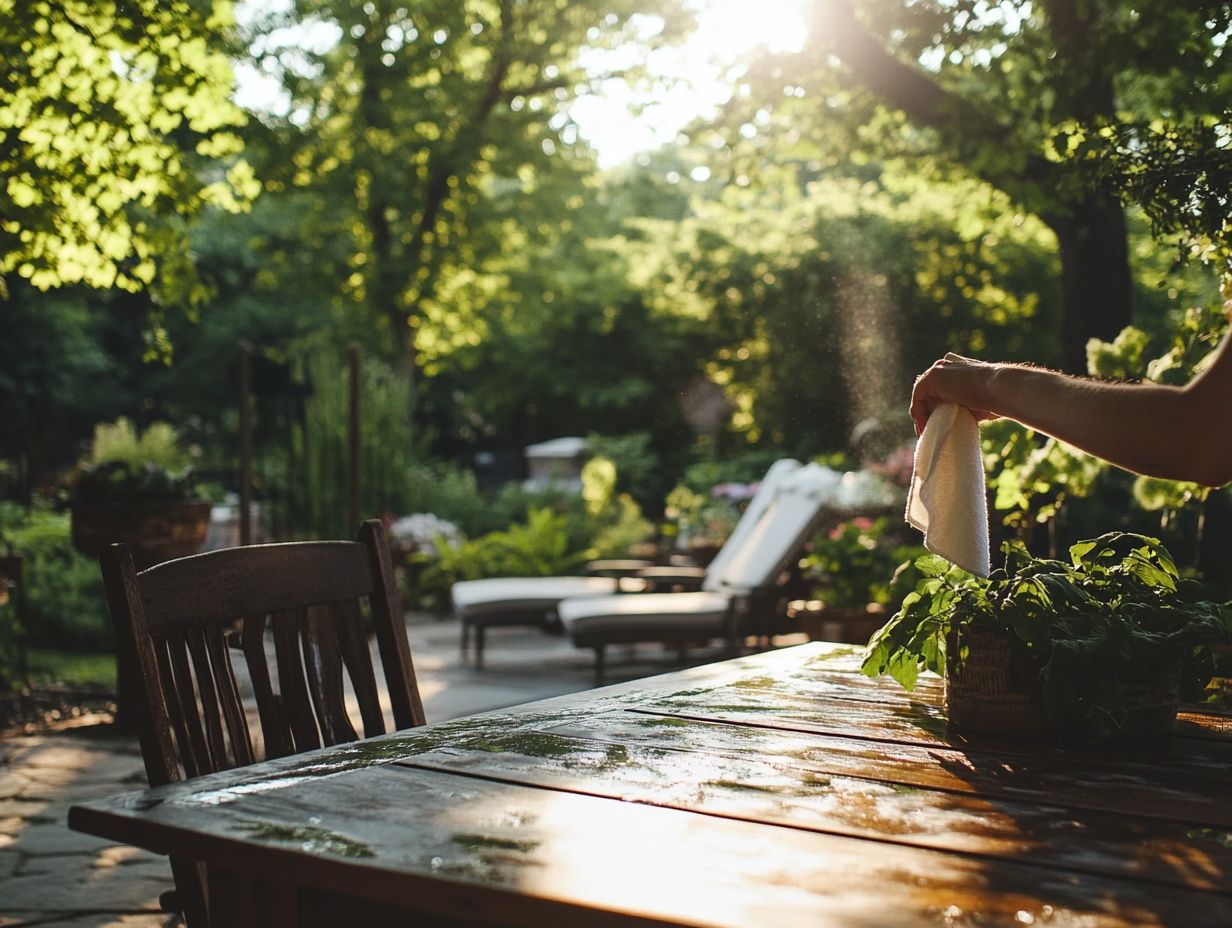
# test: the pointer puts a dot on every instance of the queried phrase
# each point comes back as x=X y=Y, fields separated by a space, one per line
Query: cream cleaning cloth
x=946 y=501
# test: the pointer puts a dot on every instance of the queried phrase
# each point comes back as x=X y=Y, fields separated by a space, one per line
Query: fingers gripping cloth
x=946 y=500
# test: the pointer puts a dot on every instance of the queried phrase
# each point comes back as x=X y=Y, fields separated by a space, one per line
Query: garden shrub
x=639 y=467
x=10 y=631
x=858 y=562
x=746 y=467
x=452 y=493
x=556 y=534
x=607 y=523
x=62 y=601
x=538 y=547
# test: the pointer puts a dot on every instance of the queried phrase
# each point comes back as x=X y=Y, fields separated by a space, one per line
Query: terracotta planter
x=992 y=695
x=156 y=532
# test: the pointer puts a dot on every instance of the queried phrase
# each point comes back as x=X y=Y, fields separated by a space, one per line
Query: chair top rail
x=235 y=582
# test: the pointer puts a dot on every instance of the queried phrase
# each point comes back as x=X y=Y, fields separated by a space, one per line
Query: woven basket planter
x=992 y=695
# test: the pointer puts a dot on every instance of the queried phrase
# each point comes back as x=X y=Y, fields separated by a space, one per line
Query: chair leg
x=466 y=638
x=189 y=898
x=479 y=633
x=600 y=655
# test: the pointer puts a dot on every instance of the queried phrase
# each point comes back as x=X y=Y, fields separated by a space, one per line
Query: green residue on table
x=665 y=722
x=833 y=655
x=758 y=683
x=743 y=787
x=462 y=733
x=928 y=724
x=477 y=842
x=530 y=744
x=615 y=755
x=311 y=839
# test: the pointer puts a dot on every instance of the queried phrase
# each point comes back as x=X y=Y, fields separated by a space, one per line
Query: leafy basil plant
x=1118 y=611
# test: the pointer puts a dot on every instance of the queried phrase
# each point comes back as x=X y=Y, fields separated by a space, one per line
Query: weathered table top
x=775 y=790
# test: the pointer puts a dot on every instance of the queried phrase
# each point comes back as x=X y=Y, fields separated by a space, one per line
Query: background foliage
x=1002 y=180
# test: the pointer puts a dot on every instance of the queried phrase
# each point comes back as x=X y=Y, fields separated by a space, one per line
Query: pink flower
x=897 y=466
x=859 y=523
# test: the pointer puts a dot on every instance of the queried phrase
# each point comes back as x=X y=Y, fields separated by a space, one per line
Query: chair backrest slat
x=229 y=696
x=324 y=668
x=173 y=622
x=210 y=710
x=176 y=711
x=182 y=681
x=275 y=731
x=186 y=620
x=352 y=644
x=292 y=687
x=390 y=632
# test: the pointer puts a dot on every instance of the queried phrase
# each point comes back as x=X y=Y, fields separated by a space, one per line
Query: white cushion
x=645 y=615
x=769 y=545
x=767 y=489
x=506 y=594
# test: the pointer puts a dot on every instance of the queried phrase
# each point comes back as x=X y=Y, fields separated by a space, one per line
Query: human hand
x=953 y=379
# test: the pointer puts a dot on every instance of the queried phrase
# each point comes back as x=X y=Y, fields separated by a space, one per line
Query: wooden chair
x=177 y=625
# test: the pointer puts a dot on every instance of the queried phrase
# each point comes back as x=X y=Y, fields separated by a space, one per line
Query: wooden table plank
x=716 y=770
x=1195 y=794
x=802 y=701
x=1078 y=779
x=449 y=844
x=805 y=794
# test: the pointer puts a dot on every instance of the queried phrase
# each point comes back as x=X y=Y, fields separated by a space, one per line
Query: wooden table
x=776 y=790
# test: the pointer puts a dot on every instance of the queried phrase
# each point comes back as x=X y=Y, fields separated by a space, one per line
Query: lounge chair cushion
x=716 y=571
x=488 y=600
x=673 y=616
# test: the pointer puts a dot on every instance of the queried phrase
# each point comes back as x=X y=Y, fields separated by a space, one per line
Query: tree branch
x=532 y=90
x=961 y=123
x=448 y=162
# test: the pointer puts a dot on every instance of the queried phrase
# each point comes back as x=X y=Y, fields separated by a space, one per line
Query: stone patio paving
x=52 y=876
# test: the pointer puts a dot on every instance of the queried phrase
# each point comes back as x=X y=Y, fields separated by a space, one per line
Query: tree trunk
x=1096 y=285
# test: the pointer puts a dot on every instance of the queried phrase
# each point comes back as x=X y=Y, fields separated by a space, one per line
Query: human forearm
x=1173 y=432
x=1146 y=428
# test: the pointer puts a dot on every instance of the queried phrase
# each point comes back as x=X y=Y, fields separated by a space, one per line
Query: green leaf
x=931 y=565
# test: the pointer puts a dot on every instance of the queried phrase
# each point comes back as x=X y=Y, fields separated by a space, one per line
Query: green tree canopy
x=417 y=116
x=1027 y=96
x=114 y=118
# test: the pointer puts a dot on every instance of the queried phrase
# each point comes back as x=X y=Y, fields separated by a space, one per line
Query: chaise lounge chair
x=734 y=597
x=480 y=604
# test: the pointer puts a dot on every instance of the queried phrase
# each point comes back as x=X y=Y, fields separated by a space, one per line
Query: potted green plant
x=1100 y=647
x=138 y=489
